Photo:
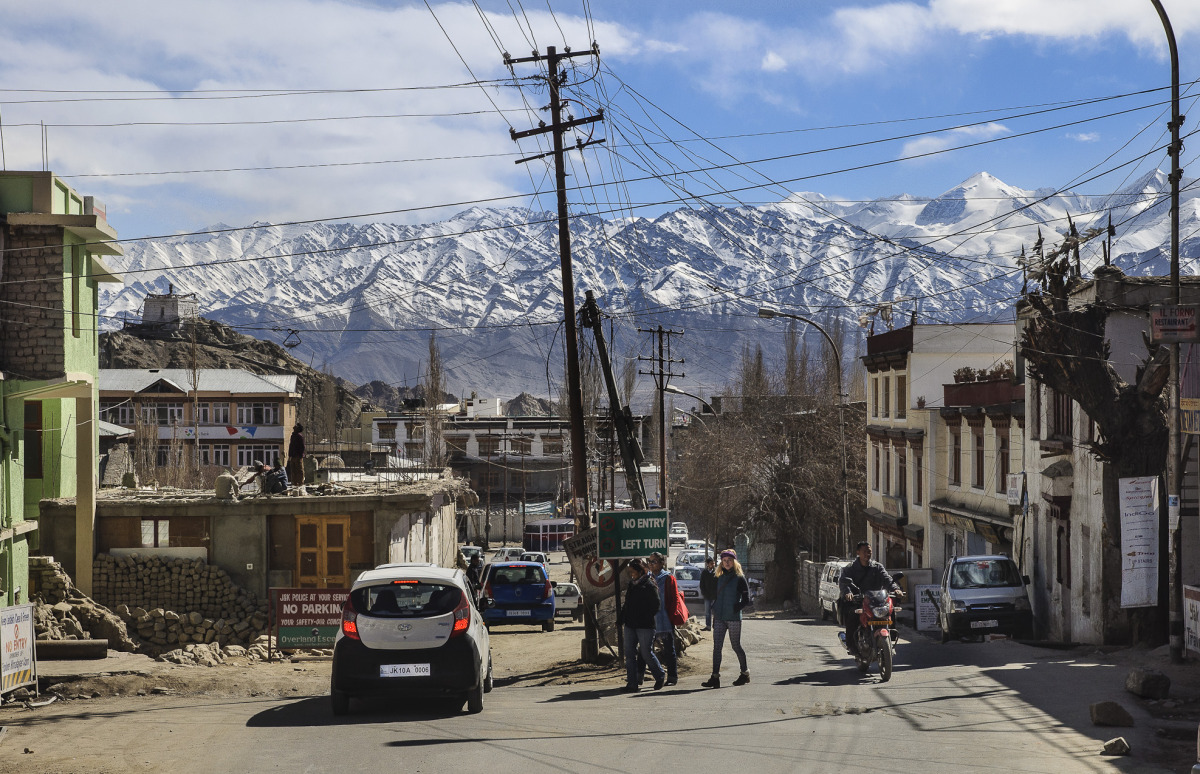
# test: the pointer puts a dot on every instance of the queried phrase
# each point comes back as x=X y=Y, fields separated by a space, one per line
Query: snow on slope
x=365 y=296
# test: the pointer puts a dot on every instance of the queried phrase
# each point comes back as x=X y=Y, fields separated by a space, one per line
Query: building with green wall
x=52 y=243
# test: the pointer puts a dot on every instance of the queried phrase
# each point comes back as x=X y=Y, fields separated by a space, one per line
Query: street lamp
x=770 y=314
x=675 y=390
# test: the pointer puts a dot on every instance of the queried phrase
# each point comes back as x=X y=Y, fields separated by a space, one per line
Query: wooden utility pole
x=556 y=128
x=661 y=376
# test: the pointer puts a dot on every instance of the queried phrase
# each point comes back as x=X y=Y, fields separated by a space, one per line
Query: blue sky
x=161 y=111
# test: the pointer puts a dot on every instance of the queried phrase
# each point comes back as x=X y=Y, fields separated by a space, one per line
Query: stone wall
x=180 y=585
x=63 y=612
x=32 y=336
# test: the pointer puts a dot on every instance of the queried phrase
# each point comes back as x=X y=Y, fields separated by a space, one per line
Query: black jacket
x=870 y=578
x=641 y=603
x=708 y=584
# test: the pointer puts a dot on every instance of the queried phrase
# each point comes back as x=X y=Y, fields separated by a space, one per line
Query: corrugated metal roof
x=109 y=430
x=231 y=380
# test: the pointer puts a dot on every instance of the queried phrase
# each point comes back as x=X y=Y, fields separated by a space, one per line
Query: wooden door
x=321 y=551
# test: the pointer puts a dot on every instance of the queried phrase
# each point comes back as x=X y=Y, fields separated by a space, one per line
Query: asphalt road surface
x=984 y=707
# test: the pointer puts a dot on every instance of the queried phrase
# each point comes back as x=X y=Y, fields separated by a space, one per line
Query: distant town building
x=168 y=312
x=236 y=416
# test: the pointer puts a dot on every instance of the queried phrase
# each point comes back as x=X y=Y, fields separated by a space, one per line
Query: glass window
x=901 y=397
x=214 y=413
x=1002 y=464
x=977 y=473
x=387 y=431
x=248 y=453
x=258 y=414
x=887 y=396
x=407 y=599
x=984 y=574
x=918 y=476
x=956 y=457
x=33 y=439
x=215 y=454
x=156 y=533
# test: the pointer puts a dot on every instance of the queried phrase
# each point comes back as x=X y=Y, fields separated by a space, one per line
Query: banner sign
x=1174 y=324
x=1139 y=541
x=630 y=534
x=1191 y=618
x=18 y=662
x=307 y=618
x=925 y=598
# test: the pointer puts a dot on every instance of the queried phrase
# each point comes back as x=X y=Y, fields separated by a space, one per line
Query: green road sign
x=627 y=534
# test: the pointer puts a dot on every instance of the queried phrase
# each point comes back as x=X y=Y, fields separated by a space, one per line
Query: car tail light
x=462 y=616
x=350 y=620
x=487 y=589
x=548 y=590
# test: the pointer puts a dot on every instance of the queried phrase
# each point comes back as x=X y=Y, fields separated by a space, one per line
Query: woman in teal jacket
x=733 y=594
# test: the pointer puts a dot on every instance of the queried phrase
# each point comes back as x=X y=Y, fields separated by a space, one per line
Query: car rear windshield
x=687 y=573
x=984 y=574
x=406 y=600
x=518 y=573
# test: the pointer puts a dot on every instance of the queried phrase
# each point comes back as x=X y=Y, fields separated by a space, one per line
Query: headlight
x=957 y=606
x=880 y=612
x=1022 y=603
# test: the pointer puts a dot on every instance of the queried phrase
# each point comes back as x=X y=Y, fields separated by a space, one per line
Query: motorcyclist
x=860 y=576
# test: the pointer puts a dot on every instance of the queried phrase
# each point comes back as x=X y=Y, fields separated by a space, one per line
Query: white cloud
x=955 y=137
x=773 y=63
x=1084 y=136
x=277 y=45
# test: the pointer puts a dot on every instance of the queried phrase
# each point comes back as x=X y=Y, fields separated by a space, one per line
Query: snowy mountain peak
x=365 y=296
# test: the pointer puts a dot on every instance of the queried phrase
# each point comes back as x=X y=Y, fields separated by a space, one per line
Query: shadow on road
x=315 y=712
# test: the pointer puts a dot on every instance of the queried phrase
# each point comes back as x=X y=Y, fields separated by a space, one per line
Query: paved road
x=992 y=707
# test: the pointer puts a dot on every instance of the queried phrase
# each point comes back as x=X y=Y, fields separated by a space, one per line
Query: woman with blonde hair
x=733 y=594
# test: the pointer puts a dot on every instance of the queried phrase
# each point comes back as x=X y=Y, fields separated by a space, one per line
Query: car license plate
x=404 y=670
x=984 y=624
x=691 y=594
x=519 y=613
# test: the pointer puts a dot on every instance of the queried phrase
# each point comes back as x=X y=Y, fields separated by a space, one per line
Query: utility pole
x=661 y=377
x=589 y=648
x=1175 y=465
x=556 y=128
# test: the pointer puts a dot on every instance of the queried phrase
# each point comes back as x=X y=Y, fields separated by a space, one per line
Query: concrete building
x=263 y=542
x=915 y=507
x=238 y=416
x=168 y=313
x=52 y=247
x=1071 y=545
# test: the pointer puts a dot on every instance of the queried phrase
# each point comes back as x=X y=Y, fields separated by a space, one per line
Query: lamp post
x=675 y=390
x=770 y=314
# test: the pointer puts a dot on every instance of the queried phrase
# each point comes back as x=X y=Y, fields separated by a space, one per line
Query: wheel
x=487 y=681
x=548 y=626
x=577 y=616
x=824 y=613
x=885 y=661
x=475 y=699
x=339 y=702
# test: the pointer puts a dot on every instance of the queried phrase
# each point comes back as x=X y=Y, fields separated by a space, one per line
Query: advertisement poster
x=307 y=618
x=17 y=664
x=1139 y=541
x=925 y=598
x=1191 y=618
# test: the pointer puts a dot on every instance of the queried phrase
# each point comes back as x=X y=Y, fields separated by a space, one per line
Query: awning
x=876 y=516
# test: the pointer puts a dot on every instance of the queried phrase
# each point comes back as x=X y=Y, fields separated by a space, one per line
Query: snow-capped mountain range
x=364 y=296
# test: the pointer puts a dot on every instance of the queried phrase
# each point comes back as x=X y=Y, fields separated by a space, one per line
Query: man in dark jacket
x=641 y=606
x=858 y=577
x=708 y=590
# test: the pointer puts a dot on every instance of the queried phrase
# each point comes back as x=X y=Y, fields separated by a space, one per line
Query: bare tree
x=435 y=390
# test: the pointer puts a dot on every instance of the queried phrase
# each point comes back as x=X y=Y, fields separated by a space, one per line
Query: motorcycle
x=875 y=638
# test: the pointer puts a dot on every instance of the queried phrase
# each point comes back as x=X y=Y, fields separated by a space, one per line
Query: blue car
x=519 y=593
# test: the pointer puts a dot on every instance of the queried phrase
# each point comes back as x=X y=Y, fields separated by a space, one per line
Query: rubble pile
x=160 y=628
x=213 y=653
x=190 y=585
x=63 y=612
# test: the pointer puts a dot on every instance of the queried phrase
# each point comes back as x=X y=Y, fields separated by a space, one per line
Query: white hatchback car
x=568 y=600
x=411 y=631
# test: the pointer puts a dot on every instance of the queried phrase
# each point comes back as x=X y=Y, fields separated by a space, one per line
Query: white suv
x=411 y=631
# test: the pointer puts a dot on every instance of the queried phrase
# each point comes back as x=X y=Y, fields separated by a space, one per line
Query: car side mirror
x=553 y=584
x=486 y=602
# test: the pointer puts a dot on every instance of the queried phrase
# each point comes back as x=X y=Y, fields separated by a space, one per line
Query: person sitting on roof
x=272 y=480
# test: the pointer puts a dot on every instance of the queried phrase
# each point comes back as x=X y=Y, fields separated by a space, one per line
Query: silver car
x=411 y=631
x=981 y=595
